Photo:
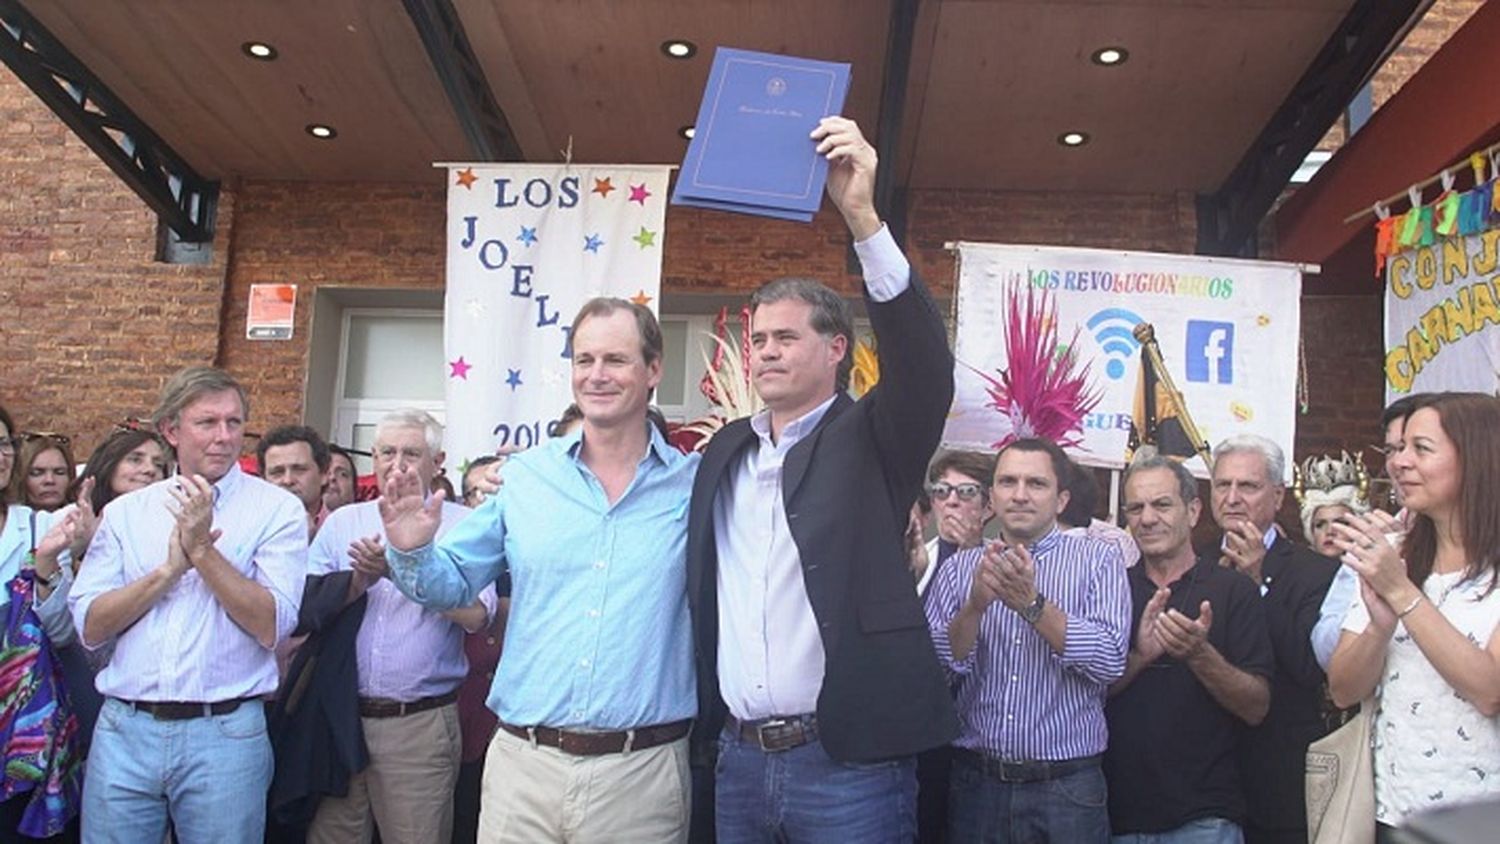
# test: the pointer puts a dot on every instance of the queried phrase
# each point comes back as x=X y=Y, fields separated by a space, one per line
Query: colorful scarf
x=38 y=731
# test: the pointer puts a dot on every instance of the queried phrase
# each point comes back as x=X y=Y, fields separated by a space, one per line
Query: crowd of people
x=751 y=642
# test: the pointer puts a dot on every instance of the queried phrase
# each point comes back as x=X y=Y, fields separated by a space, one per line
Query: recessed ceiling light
x=321 y=131
x=686 y=132
x=1110 y=56
x=259 y=50
x=678 y=48
x=1073 y=139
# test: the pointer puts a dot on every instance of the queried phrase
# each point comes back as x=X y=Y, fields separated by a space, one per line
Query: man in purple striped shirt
x=1032 y=629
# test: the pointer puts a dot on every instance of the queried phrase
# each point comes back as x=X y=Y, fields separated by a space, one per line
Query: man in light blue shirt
x=595 y=693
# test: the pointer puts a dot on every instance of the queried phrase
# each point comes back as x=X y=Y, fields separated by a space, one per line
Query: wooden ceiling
x=992 y=82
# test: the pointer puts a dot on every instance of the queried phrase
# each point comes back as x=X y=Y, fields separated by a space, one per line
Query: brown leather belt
x=183 y=710
x=374 y=707
x=600 y=744
x=779 y=732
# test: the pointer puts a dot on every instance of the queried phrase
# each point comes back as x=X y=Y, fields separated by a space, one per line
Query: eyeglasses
x=966 y=491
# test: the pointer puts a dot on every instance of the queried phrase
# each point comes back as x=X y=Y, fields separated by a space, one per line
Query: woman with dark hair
x=40 y=763
x=128 y=460
x=43 y=471
x=1422 y=635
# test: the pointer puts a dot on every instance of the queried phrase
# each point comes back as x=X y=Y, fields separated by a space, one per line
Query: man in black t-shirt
x=1197 y=673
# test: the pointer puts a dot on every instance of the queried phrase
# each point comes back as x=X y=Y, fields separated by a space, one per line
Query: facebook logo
x=1210 y=351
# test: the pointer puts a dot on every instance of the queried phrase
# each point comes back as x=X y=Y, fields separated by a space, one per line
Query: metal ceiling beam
x=1229 y=218
x=458 y=69
x=183 y=199
x=890 y=192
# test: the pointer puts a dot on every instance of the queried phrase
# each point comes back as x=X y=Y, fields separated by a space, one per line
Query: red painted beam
x=1445 y=111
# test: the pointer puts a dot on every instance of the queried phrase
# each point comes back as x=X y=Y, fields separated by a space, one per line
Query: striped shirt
x=1016 y=697
x=404 y=651
x=598 y=636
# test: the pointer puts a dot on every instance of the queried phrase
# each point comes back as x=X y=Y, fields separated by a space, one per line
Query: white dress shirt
x=186 y=647
x=404 y=652
x=771 y=658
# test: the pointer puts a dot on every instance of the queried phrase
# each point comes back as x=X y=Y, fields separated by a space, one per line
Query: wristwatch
x=1032 y=612
x=54 y=579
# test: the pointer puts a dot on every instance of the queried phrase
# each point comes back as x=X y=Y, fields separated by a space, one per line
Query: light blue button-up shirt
x=598 y=636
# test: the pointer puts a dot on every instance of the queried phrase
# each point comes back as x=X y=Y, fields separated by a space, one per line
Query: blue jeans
x=209 y=774
x=802 y=795
x=1072 y=809
x=1200 y=831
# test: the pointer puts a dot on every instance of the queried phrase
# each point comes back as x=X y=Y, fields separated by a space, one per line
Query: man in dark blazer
x=1248 y=485
x=816 y=673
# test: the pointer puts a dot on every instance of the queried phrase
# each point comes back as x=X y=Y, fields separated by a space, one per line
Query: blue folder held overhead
x=750 y=151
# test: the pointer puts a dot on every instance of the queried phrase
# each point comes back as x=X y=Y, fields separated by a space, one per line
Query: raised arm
x=451 y=574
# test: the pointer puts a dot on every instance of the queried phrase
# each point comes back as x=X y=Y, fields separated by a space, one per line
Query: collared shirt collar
x=1046 y=542
x=655 y=445
x=794 y=430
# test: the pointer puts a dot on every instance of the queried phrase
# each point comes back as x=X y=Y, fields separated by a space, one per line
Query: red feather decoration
x=1039 y=393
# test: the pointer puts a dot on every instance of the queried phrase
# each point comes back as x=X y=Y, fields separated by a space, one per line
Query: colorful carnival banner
x=1442 y=306
x=528 y=245
x=1227 y=329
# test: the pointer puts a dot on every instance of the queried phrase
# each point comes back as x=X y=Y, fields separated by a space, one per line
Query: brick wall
x=90 y=324
x=316 y=234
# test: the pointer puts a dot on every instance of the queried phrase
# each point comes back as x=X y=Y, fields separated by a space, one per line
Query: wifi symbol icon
x=1111 y=327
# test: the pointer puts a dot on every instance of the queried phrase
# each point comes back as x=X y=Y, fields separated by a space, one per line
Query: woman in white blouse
x=1422 y=634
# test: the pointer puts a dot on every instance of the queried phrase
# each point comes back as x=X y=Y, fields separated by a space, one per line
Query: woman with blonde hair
x=1421 y=636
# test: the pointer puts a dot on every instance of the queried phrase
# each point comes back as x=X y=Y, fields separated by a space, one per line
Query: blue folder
x=751 y=152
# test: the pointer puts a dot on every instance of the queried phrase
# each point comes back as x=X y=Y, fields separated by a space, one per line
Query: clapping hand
x=1147 y=642
x=1244 y=549
x=1016 y=573
x=367 y=558
x=1183 y=637
x=194 y=497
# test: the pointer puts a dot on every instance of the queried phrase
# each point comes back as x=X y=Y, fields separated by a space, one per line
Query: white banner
x=1227 y=330
x=1442 y=304
x=527 y=246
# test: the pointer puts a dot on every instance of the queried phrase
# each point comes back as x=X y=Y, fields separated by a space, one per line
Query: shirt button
x=489 y=640
x=583 y=663
x=489 y=675
x=599 y=564
x=593 y=613
x=578 y=713
x=1014 y=678
x=1010 y=717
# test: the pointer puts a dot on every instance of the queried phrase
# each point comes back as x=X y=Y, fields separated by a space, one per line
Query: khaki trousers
x=407 y=789
x=536 y=794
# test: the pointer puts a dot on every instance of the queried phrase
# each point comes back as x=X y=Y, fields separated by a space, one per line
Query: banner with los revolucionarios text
x=527 y=246
x=1227 y=330
x=1442 y=306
